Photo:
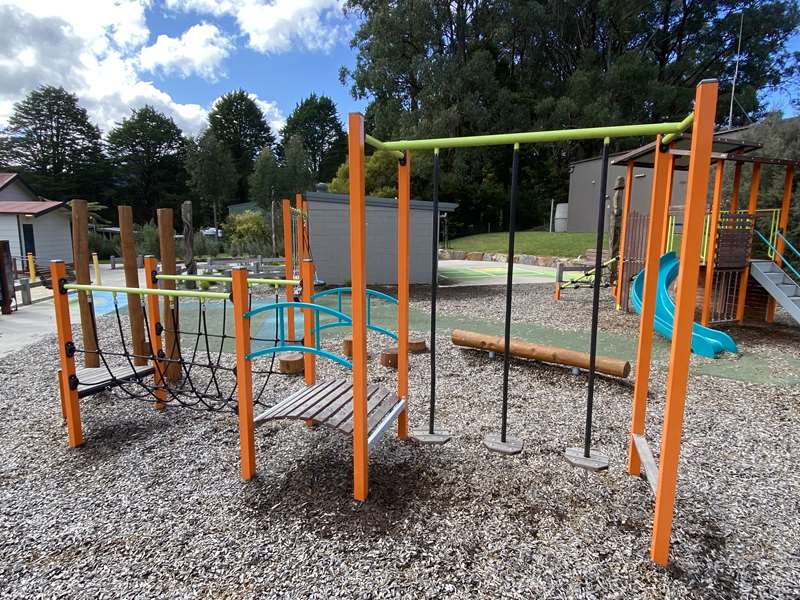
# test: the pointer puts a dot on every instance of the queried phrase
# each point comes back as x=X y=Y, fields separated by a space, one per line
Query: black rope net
x=206 y=367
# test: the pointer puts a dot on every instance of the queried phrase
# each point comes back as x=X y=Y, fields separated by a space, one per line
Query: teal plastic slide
x=705 y=341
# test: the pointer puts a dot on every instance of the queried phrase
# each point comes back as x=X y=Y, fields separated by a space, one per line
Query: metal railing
x=774 y=250
x=341 y=291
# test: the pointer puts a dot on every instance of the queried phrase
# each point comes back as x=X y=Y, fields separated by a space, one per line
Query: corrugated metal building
x=329 y=227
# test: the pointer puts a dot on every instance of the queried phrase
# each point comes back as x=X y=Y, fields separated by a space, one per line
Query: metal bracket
x=161 y=354
x=154 y=278
x=69 y=349
x=159 y=328
x=72 y=380
x=62 y=281
x=402 y=160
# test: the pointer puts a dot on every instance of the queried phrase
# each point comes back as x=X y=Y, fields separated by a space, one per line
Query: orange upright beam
x=289 y=264
x=755 y=185
x=307 y=278
x=737 y=185
x=358 y=276
x=712 y=243
x=244 y=374
x=68 y=381
x=301 y=229
x=626 y=207
x=783 y=223
x=677 y=378
x=655 y=242
x=752 y=207
x=403 y=232
x=668 y=192
x=156 y=350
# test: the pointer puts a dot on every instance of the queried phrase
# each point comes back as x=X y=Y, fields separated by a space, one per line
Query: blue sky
x=180 y=56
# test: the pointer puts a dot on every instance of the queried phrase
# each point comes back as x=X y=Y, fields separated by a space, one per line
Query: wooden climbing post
x=626 y=207
x=712 y=243
x=355 y=145
x=307 y=282
x=685 y=300
x=128 y=247
x=80 y=255
x=301 y=229
x=68 y=383
x=166 y=236
x=244 y=374
x=403 y=234
x=655 y=242
x=154 y=326
x=288 y=264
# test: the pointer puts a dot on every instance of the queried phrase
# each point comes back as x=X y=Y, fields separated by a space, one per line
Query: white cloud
x=272 y=113
x=278 y=25
x=92 y=52
x=199 y=51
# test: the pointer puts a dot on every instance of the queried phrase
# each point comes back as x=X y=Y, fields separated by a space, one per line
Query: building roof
x=6 y=178
x=644 y=156
x=34 y=208
x=376 y=201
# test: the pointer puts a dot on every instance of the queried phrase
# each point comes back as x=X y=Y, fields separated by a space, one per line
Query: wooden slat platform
x=330 y=404
x=97 y=379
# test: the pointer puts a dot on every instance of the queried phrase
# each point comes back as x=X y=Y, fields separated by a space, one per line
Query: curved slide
x=705 y=341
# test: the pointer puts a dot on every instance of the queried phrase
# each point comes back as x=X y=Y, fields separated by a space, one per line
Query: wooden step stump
x=291 y=363
x=417 y=345
x=389 y=358
x=347 y=346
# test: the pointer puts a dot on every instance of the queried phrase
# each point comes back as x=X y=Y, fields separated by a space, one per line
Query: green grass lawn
x=538 y=243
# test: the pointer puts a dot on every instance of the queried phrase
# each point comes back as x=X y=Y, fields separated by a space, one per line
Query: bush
x=147 y=240
x=104 y=246
x=205 y=247
x=248 y=234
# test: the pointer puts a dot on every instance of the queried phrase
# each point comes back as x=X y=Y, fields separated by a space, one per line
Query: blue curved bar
x=282 y=305
x=386 y=332
x=302 y=349
x=347 y=290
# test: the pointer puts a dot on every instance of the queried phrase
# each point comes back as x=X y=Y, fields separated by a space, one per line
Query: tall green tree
x=239 y=123
x=266 y=182
x=51 y=140
x=471 y=67
x=316 y=121
x=296 y=173
x=212 y=174
x=148 y=152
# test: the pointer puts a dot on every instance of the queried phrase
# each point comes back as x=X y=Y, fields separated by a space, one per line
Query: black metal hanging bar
x=434 y=287
x=512 y=228
x=598 y=276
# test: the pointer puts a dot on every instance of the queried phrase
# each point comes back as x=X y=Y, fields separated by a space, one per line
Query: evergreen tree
x=315 y=120
x=212 y=174
x=238 y=122
x=148 y=152
x=50 y=140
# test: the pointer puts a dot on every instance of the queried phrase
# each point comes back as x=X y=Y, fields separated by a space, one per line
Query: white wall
x=51 y=234
x=9 y=230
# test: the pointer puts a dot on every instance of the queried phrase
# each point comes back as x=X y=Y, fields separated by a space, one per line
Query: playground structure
x=747 y=265
x=365 y=411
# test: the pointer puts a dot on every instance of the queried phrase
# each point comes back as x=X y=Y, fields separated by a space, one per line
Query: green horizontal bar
x=379 y=145
x=535 y=137
x=224 y=279
x=684 y=125
x=148 y=291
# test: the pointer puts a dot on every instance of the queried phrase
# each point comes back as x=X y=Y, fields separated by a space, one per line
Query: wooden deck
x=97 y=379
x=330 y=404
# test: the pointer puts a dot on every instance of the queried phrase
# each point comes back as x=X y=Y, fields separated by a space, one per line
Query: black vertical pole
x=512 y=228
x=434 y=286
x=598 y=275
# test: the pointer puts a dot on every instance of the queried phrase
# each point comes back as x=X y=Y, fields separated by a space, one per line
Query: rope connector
x=159 y=328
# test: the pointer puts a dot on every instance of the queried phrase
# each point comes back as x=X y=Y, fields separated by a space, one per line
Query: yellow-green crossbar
x=224 y=279
x=669 y=130
x=81 y=287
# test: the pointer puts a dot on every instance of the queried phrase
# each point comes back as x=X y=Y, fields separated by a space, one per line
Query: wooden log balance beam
x=548 y=354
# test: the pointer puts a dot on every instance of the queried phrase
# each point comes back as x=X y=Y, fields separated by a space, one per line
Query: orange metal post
x=307 y=278
x=244 y=374
x=695 y=208
x=737 y=184
x=289 y=264
x=403 y=230
x=655 y=242
x=783 y=223
x=712 y=243
x=358 y=276
x=626 y=207
x=68 y=381
x=150 y=269
x=752 y=206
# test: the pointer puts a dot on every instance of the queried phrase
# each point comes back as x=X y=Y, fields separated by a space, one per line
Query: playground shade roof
x=644 y=156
